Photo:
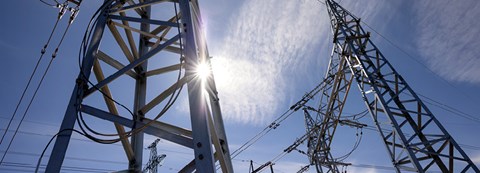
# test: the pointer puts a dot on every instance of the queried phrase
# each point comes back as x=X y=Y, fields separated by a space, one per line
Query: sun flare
x=203 y=71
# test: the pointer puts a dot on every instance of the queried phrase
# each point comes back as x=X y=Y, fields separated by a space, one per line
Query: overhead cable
x=307 y=97
x=63 y=8
x=42 y=52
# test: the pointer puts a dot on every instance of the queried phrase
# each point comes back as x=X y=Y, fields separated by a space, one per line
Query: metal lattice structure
x=415 y=140
x=170 y=42
x=334 y=94
x=155 y=160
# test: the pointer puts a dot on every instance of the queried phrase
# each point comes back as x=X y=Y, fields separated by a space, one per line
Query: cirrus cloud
x=266 y=42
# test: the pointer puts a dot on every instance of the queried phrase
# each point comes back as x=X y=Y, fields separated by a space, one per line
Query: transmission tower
x=415 y=140
x=155 y=160
x=171 y=45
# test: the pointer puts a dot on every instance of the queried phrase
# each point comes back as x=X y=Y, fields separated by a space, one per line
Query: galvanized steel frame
x=207 y=136
x=334 y=93
x=414 y=138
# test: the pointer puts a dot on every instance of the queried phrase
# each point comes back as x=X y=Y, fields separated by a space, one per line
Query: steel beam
x=204 y=161
x=130 y=66
x=115 y=64
x=113 y=109
x=175 y=135
x=140 y=90
x=61 y=143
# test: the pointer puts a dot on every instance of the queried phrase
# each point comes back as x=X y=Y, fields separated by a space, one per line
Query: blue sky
x=266 y=55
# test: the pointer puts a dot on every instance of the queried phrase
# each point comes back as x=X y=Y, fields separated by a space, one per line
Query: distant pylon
x=155 y=160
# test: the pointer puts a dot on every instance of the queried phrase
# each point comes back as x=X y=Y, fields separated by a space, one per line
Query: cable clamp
x=63 y=7
x=74 y=14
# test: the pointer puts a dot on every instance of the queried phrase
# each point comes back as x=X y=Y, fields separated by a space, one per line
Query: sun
x=203 y=71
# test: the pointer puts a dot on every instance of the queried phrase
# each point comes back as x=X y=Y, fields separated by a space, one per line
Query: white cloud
x=266 y=41
x=448 y=38
x=476 y=159
x=364 y=170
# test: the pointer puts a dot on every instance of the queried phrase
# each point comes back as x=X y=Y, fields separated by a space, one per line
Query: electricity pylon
x=155 y=160
x=415 y=140
x=170 y=42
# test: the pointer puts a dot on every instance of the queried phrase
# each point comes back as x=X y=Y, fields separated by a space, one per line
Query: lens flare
x=203 y=71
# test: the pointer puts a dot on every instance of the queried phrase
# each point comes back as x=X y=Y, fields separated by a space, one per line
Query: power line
x=64 y=168
x=78 y=139
x=50 y=141
x=63 y=8
x=471 y=147
x=78 y=158
x=24 y=114
x=262 y=133
x=33 y=73
x=304 y=100
x=416 y=60
x=68 y=158
x=450 y=109
x=49 y=4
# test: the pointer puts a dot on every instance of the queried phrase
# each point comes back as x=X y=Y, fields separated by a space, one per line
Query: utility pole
x=171 y=45
x=427 y=148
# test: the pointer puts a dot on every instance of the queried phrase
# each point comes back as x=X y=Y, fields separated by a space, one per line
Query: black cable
x=416 y=60
x=48 y=144
x=61 y=13
x=355 y=146
x=69 y=158
x=40 y=83
x=170 y=102
x=31 y=76
x=83 y=48
x=262 y=133
x=61 y=40
x=46 y=3
x=25 y=167
x=83 y=140
x=26 y=110
x=341 y=158
x=357 y=116
x=50 y=141
x=307 y=97
x=450 y=109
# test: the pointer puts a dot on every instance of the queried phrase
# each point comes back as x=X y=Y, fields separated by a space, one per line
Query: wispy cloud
x=476 y=159
x=448 y=38
x=8 y=46
x=365 y=170
x=266 y=42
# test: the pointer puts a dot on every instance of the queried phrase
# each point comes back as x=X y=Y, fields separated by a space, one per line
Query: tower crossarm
x=415 y=139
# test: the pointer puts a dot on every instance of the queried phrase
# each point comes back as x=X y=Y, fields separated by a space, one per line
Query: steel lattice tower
x=166 y=37
x=155 y=160
x=415 y=140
